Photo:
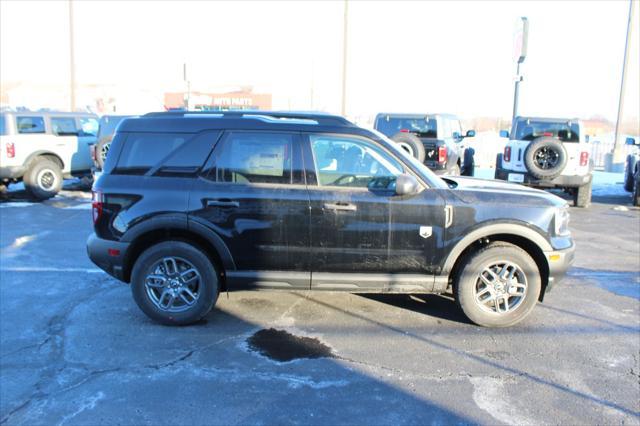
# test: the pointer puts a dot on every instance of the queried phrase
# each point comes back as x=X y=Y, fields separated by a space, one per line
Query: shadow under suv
x=191 y=204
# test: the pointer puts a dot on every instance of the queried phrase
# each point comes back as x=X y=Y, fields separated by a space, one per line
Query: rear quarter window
x=162 y=154
x=3 y=127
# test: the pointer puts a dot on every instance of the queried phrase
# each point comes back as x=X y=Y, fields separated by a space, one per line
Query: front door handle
x=222 y=202
x=341 y=206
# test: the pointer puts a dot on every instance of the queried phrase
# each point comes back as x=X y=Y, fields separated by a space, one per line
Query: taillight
x=97 y=202
x=11 y=149
x=584 y=158
x=442 y=154
x=93 y=152
x=507 y=154
x=404 y=130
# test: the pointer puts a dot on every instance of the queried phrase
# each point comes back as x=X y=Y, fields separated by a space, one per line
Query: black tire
x=411 y=144
x=468 y=279
x=208 y=283
x=498 y=165
x=582 y=195
x=102 y=149
x=629 y=173
x=43 y=179
x=469 y=164
x=545 y=158
x=636 y=192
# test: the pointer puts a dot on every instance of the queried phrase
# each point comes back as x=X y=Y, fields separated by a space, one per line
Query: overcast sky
x=403 y=56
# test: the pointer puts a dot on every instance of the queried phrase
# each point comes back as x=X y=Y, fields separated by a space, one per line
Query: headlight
x=561 y=220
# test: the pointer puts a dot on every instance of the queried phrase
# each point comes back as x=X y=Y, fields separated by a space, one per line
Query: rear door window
x=527 y=130
x=30 y=124
x=64 y=126
x=3 y=128
x=248 y=157
x=425 y=127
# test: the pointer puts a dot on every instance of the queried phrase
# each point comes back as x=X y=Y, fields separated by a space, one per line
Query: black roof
x=195 y=121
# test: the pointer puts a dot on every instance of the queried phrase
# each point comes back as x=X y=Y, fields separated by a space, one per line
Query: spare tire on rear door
x=545 y=158
x=411 y=144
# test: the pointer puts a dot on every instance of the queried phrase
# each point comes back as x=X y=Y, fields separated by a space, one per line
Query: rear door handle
x=223 y=202
x=341 y=206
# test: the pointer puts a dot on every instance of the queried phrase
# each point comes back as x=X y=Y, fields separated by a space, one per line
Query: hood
x=469 y=190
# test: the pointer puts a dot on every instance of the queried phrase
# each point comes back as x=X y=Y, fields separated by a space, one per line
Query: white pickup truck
x=43 y=148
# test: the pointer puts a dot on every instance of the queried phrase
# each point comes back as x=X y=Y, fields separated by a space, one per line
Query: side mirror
x=504 y=134
x=470 y=134
x=406 y=185
x=630 y=141
x=457 y=136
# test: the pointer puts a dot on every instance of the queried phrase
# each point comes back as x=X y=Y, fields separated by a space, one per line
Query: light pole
x=343 y=110
x=520 y=53
x=72 y=63
x=617 y=160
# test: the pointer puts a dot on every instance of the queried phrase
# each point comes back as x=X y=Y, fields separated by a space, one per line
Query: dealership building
x=230 y=101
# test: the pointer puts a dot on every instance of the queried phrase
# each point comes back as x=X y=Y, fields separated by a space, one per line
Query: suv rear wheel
x=43 y=179
x=174 y=283
x=498 y=285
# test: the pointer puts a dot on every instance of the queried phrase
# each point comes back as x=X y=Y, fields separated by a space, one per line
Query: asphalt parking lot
x=75 y=349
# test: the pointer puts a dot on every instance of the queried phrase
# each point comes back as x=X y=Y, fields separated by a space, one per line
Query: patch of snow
x=490 y=396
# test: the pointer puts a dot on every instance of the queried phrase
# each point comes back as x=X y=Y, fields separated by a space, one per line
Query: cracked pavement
x=75 y=349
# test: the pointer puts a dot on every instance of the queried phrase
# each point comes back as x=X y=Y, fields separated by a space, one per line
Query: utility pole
x=520 y=53
x=187 y=101
x=343 y=110
x=617 y=160
x=72 y=62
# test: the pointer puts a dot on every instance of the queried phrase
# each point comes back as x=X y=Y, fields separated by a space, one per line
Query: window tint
x=353 y=163
x=3 y=129
x=64 y=126
x=88 y=126
x=253 y=158
x=425 y=127
x=30 y=124
x=142 y=151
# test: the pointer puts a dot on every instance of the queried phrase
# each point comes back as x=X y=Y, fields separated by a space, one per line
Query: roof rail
x=274 y=116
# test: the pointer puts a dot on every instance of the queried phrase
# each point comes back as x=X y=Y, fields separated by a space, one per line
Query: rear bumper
x=559 y=263
x=559 y=182
x=108 y=255
x=12 y=172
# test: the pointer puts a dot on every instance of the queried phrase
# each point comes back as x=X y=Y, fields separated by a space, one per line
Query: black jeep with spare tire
x=433 y=139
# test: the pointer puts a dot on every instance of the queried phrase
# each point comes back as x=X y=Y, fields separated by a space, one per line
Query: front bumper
x=559 y=263
x=110 y=256
x=558 y=182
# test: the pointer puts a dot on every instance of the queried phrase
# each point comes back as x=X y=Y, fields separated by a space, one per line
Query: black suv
x=191 y=204
x=433 y=139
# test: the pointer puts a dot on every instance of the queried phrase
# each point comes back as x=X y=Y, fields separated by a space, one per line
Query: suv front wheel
x=174 y=283
x=498 y=285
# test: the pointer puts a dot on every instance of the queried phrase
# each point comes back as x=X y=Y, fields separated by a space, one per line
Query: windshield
x=422 y=126
x=566 y=131
x=417 y=166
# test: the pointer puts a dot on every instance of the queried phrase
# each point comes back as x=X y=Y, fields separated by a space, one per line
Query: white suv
x=548 y=153
x=42 y=148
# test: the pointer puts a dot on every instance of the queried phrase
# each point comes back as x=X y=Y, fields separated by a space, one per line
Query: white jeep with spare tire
x=548 y=153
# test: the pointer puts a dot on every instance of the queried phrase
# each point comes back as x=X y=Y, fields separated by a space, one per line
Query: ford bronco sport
x=548 y=153
x=191 y=204
x=433 y=139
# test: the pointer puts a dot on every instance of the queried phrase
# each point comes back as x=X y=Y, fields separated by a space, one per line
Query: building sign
x=242 y=100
